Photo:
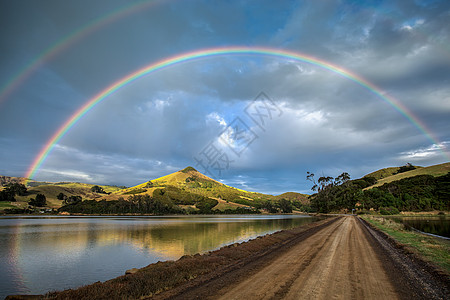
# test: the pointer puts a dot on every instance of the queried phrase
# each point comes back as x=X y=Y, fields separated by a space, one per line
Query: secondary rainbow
x=19 y=77
x=205 y=53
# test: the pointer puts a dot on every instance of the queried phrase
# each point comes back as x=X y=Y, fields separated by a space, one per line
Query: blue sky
x=320 y=122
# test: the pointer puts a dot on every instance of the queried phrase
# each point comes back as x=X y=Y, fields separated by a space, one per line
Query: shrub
x=389 y=210
x=61 y=196
x=39 y=201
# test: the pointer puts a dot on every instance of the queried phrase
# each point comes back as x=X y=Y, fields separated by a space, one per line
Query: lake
x=439 y=225
x=39 y=254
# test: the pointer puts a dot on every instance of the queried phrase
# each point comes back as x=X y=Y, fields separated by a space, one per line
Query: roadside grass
x=433 y=249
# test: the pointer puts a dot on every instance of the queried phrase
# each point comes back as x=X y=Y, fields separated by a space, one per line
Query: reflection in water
x=439 y=225
x=41 y=254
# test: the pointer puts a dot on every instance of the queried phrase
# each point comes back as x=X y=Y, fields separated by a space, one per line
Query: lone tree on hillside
x=61 y=196
x=97 y=189
x=405 y=168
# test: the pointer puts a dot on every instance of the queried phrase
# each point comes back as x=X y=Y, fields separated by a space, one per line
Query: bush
x=39 y=201
x=61 y=196
x=405 y=168
x=97 y=189
x=389 y=210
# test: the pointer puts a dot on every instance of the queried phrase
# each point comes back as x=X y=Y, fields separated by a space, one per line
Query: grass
x=433 y=249
x=383 y=173
x=436 y=170
x=222 y=205
x=5 y=204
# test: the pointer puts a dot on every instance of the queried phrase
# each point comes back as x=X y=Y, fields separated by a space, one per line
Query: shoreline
x=165 y=275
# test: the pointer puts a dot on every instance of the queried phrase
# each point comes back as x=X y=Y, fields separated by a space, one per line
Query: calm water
x=439 y=225
x=38 y=254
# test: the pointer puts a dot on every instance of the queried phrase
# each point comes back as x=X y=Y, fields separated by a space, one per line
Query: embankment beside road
x=162 y=276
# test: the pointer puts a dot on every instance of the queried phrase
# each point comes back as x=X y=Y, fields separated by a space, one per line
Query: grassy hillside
x=51 y=190
x=436 y=170
x=195 y=182
x=383 y=173
x=292 y=196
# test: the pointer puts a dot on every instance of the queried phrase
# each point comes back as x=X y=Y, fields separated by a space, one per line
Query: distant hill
x=436 y=170
x=293 y=196
x=180 y=187
x=4 y=180
x=190 y=180
x=52 y=189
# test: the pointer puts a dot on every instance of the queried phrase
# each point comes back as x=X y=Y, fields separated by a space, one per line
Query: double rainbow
x=199 y=54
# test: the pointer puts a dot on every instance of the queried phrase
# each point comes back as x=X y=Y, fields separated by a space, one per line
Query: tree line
x=418 y=193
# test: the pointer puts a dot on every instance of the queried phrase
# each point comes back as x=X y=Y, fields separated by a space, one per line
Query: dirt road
x=339 y=261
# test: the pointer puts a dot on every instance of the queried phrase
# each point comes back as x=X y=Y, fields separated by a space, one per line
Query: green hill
x=383 y=173
x=195 y=182
x=190 y=180
x=436 y=170
x=293 y=196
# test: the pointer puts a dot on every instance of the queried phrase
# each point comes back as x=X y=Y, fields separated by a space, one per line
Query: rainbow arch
x=212 y=52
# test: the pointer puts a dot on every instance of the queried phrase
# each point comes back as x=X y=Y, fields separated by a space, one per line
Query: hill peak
x=188 y=169
x=183 y=176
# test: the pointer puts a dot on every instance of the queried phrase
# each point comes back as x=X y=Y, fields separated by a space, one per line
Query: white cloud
x=427 y=153
x=214 y=116
x=65 y=175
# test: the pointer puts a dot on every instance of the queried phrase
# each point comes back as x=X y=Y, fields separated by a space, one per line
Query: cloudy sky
x=255 y=122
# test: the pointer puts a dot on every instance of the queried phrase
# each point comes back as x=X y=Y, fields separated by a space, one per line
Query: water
x=39 y=254
x=439 y=225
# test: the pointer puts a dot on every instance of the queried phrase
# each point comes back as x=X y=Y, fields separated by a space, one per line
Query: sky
x=255 y=122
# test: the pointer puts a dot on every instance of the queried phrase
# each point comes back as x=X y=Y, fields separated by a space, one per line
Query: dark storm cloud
x=160 y=122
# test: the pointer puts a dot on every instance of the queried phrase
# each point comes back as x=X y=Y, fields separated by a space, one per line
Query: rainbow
x=199 y=54
x=20 y=76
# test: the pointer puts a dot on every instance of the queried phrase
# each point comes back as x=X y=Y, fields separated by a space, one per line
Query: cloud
x=426 y=154
x=158 y=123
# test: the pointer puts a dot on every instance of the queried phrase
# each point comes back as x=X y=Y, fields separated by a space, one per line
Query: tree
x=268 y=205
x=39 y=201
x=332 y=193
x=405 y=168
x=285 y=206
x=16 y=189
x=341 y=179
x=73 y=200
x=310 y=177
x=97 y=189
x=61 y=196
x=6 y=195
